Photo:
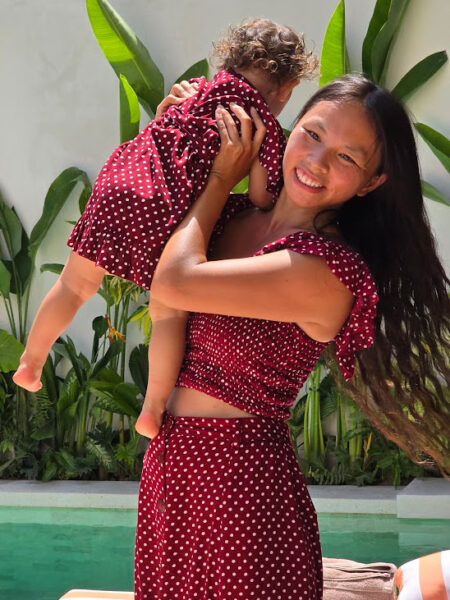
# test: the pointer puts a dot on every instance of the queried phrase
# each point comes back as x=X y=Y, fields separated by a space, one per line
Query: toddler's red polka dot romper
x=223 y=510
x=147 y=185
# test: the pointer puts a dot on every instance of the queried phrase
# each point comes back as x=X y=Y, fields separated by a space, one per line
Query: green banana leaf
x=438 y=143
x=383 y=41
x=11 y=227
x=379 y=18
x=433 y=193
x=10 y=352
x=84 y=195
x=138 y=365
x=23 y=266
x=126 y=54
x=419 y=74
x=198 y=69
x=5 y=280
x=113 y=350
x=129 y=111
x=241 y=187
x=57 y=195
x=333 y=60
x=52 y=268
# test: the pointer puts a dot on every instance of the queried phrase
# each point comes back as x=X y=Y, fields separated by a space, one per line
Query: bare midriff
x=186 y=402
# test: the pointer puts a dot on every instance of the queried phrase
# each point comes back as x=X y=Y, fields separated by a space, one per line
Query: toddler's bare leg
x=166 y=351
x=79 y=281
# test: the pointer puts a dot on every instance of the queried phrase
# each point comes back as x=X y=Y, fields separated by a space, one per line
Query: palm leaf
x=129 y=111
x=433 y=193
x=198 y=69
x=126 y=54
x=334 y=52
x=57 y=195
x=438 y=143
x=383 y=41
x=379 y=18
x=419 y=74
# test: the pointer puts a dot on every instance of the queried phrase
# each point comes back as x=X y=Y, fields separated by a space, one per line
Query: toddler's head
x=272 y=56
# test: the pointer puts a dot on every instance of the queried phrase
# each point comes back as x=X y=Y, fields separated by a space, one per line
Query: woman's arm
x=281 y=286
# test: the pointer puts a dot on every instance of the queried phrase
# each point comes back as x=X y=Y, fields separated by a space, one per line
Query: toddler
x=147 y=185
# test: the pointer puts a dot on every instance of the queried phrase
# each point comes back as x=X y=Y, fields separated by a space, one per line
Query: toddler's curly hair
x=275 y=49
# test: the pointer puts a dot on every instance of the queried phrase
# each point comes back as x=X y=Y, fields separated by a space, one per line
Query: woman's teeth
x=306 y=180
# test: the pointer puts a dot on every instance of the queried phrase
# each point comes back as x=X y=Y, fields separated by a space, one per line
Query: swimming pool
x=46 y=551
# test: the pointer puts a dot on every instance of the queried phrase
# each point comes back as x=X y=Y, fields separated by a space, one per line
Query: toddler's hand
x=179 y=92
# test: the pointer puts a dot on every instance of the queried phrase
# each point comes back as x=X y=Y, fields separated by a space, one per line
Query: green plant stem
x=82 y=424
x=10 y=313
x=27 y=299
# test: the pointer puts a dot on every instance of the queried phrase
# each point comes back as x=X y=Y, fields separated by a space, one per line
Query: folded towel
x=350 y=580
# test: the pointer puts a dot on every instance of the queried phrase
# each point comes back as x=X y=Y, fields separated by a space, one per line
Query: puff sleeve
x=349 y=267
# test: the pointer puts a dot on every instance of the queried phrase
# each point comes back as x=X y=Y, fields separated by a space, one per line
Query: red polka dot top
x=259 y=365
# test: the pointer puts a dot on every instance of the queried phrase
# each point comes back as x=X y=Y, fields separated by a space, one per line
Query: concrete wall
x=60 y=101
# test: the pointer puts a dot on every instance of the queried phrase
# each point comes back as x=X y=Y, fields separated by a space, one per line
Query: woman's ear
x=372 y=184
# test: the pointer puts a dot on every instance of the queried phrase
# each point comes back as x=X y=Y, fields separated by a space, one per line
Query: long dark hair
x=399 y=380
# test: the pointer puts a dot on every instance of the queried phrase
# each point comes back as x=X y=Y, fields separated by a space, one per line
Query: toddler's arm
x=257 y=181
x=79 y=281
x=165 y=355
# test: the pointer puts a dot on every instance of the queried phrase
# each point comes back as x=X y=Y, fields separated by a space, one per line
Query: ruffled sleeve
x=349 y=267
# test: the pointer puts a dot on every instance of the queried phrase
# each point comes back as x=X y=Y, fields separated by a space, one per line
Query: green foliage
x=10 y=351
x=419 y=74
x=126 y=54
x=433 y=193
x=379 y=18
x=198 y=69
x=129 y=111
x=438 y=143
x=333 y=62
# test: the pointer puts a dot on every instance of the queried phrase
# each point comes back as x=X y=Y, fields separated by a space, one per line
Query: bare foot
x=149 y=421
x=28 y=377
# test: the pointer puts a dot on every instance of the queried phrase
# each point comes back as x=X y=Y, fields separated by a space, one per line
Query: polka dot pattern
x=259 y=365
x=224 y=513
x=147 y=184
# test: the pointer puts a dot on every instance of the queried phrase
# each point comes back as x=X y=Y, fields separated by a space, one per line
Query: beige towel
x=350 y=580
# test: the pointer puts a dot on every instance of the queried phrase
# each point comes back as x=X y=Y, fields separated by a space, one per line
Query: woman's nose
x=318 y=161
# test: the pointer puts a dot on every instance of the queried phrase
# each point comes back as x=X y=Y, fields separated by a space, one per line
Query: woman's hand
x=237 y=152
x=179 y=92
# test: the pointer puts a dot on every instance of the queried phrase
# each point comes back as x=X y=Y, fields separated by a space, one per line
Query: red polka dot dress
x=147 y=185
x=223 y=509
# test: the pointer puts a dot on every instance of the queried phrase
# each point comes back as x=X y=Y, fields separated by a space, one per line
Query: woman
x=223 y=509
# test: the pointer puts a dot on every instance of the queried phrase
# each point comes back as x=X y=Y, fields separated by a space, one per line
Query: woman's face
x=332 y=155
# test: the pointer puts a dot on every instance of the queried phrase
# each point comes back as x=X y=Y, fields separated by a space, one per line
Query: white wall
x=59 y=102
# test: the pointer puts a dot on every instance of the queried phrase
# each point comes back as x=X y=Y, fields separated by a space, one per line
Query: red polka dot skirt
x=224 y=513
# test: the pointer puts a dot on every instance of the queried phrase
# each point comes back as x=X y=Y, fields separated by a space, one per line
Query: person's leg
x=79 y=281
x=165 y=353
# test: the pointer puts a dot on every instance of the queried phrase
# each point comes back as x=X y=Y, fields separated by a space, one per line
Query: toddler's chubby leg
x=165 y=353
x=79 y=281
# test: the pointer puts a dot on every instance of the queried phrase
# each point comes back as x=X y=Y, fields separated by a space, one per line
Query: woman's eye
x=347 y=158
x=312 y=134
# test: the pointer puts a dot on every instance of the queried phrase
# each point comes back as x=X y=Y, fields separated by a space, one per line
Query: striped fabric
x=96 y=595
x=425 y=578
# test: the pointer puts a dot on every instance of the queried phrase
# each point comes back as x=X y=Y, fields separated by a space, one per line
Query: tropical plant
x=71 y=429
x=376 y=53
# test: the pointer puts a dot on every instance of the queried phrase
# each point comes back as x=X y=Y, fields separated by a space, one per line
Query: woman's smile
x=306 y=181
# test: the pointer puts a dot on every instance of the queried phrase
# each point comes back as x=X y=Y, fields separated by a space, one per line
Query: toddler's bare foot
x=149 y=421
x=28 y=377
